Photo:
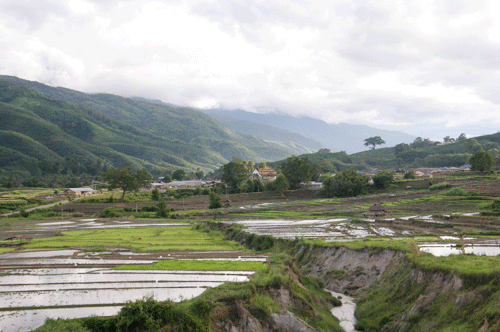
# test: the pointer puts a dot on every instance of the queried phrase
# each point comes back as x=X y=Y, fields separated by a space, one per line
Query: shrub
x=347 y=183
x=458 y=191
x=148 y=315
x=438 y=186
x=161 y=209
x=149 y=208
x=155 y=194
x=109 y=212
x=383 y=179
x=214 y=201
x=410 y=175
x=61 y=325
x=495 y=205
x=481 y=161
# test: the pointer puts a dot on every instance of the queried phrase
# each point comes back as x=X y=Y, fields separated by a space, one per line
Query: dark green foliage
x=61 y=325
x=299 y=169
x=148 y=315
x=495 y=205
x=248 y=187
x=214 y=201
x=32 y=182
x=481 y=161
x=383 y=179
x=410 y=175
x=100 y=324
x=259 y=242
x=24 y=213
x=347 y=183
x=439 y=186
x=279 y=185
x=109 y=212
x=123 y=177
x=155 y=194
x=178 y=174
x=374 y=141
x=161 y=209
x=234 y=173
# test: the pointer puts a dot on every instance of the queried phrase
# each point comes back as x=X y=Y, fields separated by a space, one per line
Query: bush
x=214 y=201
x=481 y=161
x=458 y=191
x=61 y=325
x=438 y=186
x=383 y=179
x=24 y=213
x=109 y=212
x=161 y=209
x=148 y=315
x=149 y=208
x=495 y=205
x=410 y=175
x=347 y=183
x=155 y=194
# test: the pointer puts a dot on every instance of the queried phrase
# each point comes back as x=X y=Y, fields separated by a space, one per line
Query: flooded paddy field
x=42 y=282
x=75 y=283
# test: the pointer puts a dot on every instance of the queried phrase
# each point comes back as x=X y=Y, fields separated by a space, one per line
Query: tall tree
x=234 y=173
x=280 y=184
x=125 y=178
x=298 y=170
x=178 y=174
x=374 y=141
x=481 y=161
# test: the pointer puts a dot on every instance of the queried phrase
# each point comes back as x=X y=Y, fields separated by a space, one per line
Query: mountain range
x=43 y=124
x=336 y=137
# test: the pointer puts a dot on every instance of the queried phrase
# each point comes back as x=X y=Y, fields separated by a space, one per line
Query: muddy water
x=345 y=313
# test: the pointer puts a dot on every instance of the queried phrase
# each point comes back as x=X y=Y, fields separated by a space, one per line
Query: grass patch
x=463 y=264
x=2 y=250
x=208 y=265
x=439 y=186
x=146 y=239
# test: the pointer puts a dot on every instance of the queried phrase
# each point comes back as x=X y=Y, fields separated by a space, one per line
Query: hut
x=376 y=210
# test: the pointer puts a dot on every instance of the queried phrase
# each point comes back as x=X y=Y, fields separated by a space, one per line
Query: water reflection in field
x=28 y=295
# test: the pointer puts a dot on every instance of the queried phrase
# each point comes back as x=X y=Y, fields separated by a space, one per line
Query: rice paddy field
x=79 y=264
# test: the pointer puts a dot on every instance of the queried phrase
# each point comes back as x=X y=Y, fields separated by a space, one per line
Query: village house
x=83 y=191
x=265 y=173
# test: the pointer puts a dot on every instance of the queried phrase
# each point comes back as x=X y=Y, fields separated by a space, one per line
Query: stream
x=345 y=313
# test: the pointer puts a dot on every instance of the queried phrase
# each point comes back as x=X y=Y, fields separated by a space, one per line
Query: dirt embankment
x=394 y=295
x=344 y=269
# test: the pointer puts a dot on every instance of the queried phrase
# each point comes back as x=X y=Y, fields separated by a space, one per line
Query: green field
x=214 y=265
x=149 y=239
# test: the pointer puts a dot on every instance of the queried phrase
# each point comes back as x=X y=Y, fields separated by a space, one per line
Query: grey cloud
x=472 y=51
x=34 y=13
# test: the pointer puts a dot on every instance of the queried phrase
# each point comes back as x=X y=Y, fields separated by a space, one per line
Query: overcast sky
x=430 y=68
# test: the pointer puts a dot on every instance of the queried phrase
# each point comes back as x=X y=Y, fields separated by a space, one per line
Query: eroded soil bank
x=395 y=295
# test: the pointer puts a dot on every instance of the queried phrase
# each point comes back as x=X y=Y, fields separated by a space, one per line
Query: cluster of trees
x=293 y=171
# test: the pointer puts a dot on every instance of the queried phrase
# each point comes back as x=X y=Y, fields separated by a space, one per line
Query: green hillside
x=419 y=154
x=175 y=123
x=36 y=131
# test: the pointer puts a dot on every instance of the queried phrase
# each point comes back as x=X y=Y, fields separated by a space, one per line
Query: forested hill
x=41 y=135
x=178 y=123
x=418 y=154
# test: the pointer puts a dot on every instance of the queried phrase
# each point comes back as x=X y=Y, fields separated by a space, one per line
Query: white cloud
x=397 y=64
